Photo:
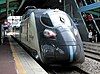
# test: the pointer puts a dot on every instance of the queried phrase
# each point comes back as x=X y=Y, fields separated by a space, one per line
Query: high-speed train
x=52 y=34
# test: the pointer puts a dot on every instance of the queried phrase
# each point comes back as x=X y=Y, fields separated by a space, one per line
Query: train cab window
x=45 y=20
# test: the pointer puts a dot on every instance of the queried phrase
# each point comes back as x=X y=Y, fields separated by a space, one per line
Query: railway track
x=92 y=50
x=96 y=49
x=66 y=70
x=92 y=46
x=92 y=55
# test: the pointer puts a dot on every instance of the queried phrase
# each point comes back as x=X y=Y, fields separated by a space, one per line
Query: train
x=52 y=36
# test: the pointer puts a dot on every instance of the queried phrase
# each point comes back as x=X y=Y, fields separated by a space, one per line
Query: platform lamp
x=60 y=1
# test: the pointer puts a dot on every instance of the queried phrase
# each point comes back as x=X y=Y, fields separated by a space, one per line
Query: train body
x=53 y=35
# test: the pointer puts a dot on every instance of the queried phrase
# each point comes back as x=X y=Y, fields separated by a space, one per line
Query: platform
x=15 y=60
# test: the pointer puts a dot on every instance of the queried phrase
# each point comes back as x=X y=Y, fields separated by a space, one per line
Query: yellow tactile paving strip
x=19 y=67
x=25 y=64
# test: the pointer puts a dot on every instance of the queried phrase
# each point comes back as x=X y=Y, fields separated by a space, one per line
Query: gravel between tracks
x=91 y=66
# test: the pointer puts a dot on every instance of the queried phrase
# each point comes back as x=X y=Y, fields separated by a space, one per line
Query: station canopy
x=17 y=7
x=9 y=7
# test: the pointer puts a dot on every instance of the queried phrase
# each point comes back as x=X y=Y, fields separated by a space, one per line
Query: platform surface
x=7 y=63
x=15 y=60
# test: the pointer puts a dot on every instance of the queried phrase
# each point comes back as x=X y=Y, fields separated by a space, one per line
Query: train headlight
x=49 y=33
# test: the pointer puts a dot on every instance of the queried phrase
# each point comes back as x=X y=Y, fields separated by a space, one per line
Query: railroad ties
x=92 y=50
x=92 y=58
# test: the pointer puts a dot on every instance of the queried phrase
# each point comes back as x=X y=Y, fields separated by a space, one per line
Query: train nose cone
x=63 y=49
x=67 y=53
x=67 y=43
x=65 y=35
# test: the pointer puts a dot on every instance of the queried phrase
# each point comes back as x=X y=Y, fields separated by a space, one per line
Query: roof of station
x=13 y=5
x=92 y=8
x=18 y=6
